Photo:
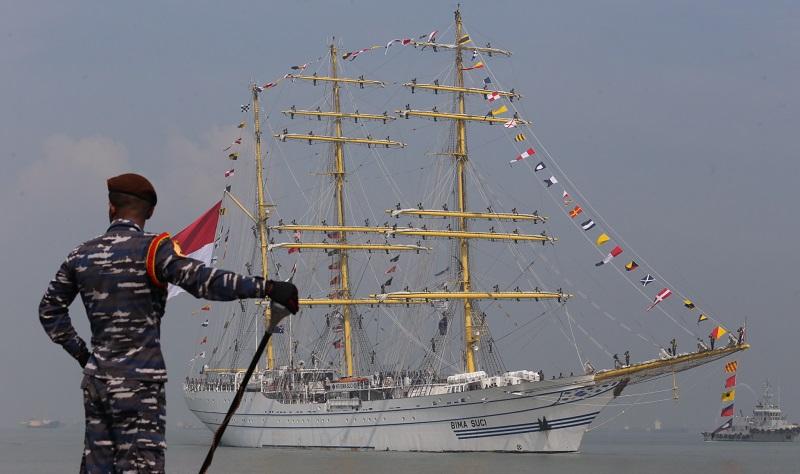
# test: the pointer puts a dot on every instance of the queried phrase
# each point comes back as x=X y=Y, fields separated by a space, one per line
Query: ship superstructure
x=767 y=423
x=359 y=403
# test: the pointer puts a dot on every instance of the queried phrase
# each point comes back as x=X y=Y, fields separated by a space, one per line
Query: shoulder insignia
x=152 y=250
x=177 y=247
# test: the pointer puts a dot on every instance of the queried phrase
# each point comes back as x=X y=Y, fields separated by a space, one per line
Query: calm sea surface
x=43 y=451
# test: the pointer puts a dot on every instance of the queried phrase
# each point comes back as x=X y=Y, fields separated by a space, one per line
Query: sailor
x=616 y=361
x=711 y=341
x=740 y=335
x=122 y=278
x=627 y=358
x=701 y=346
x=674 y=345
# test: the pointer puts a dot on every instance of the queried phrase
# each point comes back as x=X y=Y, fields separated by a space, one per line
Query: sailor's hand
x=83 y=358
x=283 y=293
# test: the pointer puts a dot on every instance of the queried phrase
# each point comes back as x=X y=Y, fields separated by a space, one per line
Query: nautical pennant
x=614 y=252
x=565 y=198
x=299 y=68
x=492 y=96
x=588 y=225
x=519 y=137
x=334 y=280
x=391 y=269
x=478 y=65
x=233 y=156
x=293 y=250
x=395 y=258
x=511 y=123
x=205 y=323
x=206 y=308
x=245 y=107
x=388 y=282
x=718 y=332
x=730 y=381
x=500 y=110
x=539 y=166
x=647 y=279
x=729 y=396
x=688 y=303
x=602 y=238
x=631 y=266
x=440 y=273
x=701 y=318
x=550 y=181
x=731 y=366
x=660 y=296
x=333 y=266
x=575 y=212
x=204 y=340
x=486 y=81
x=242 y=124
x=464 y=39
x=523 y=155
x=727 y=411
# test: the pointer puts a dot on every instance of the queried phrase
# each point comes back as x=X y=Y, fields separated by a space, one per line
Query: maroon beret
x=133 y=184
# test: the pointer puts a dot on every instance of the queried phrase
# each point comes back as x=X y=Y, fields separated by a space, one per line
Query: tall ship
x=767 y=423
x=376 y=359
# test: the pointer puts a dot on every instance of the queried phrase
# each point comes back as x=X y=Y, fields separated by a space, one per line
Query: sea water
x=44 y=451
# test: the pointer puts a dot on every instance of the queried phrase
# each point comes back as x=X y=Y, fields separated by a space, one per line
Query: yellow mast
x=344 y=274
x=461 y=161
x=262 y=216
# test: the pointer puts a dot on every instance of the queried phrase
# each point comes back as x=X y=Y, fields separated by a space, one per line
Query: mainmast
x=344 y=273
x=340 y=246
x=262 y=216
x=342 y=296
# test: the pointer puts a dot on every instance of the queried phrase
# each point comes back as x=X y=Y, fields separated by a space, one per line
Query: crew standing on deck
x=122 y=277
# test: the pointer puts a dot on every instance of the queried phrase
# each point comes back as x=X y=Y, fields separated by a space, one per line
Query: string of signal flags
x=587 y=224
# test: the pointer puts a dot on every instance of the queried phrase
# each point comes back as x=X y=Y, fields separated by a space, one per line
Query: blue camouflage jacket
x=124 y=305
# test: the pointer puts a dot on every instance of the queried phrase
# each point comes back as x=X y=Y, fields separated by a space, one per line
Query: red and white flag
x=492 y=96
x=523 y=155
x=566 y=198
x=660 y=296
x=197 y=240
x=229 y=173
x=391 y=269
x=614 y=252
x=511 y=123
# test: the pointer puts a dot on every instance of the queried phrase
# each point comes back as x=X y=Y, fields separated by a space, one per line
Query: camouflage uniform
x=124 y=374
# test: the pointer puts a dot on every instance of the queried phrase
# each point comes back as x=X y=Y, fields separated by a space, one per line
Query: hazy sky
x=677 y=119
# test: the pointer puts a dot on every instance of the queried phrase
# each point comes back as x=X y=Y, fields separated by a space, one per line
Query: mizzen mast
x=262 y=215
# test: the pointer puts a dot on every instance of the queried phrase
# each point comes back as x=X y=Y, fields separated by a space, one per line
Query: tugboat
x=768 y=423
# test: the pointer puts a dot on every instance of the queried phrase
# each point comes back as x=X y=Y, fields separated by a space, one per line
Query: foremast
x=461 y=160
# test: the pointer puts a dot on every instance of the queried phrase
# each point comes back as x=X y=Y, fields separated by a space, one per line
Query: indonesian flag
x=197 y=240
x=523 y=155
x=492 y=96
x=660 y=296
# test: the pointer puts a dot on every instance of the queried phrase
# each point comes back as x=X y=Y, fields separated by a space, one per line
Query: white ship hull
x=492 y=419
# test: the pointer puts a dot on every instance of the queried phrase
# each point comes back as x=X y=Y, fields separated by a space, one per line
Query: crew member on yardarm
x=122 y=277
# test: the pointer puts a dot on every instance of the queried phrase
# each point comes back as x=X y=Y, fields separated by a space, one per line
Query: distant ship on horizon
x=43 y=423
x=768 y=423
